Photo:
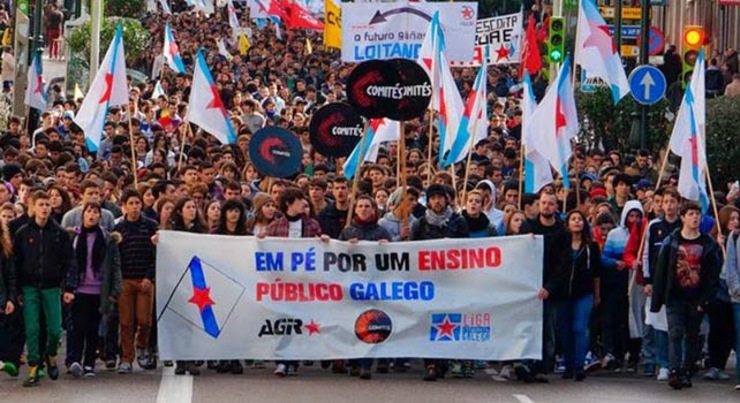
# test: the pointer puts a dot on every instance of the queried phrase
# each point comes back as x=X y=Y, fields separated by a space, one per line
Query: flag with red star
x=36 y=87
x=596 y=51
x=555 y=122
x=204 y=298
x=379 y=131
x=109 y=88
x=688 y=139
x=206 y=108
x=446 y=97
x=172 y=51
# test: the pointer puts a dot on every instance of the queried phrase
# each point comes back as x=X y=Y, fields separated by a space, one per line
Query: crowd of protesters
x=79 y=230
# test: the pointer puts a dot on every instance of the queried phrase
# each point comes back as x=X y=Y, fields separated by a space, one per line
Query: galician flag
x=36 y=87
x=379 y=131
x=172 y=51
x=537 y=171
x=555 y=121
x=206 y=109
x=688 y=139
x=446 y=97
x=165 y=7
x=596 y=51
x=474 y=124
x=233 y=19
x=108 y=89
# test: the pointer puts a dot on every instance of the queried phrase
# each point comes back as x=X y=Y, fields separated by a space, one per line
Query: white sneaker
x=663 y=374
x=76 y=369
x=737 y=387
x=281 y=370
x=506 y=372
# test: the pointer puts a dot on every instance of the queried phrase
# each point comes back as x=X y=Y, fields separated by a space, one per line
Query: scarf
x=98 y=250
x=293 y=218
x=370 y=221
x=476 y=224
x=439 y=220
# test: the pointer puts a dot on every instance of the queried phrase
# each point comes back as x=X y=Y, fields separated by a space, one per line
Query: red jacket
x=632 y=248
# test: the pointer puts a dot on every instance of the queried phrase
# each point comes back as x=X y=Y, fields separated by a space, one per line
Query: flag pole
x=358 y=169
x=189 y=131
x=431 y=133
x=133 y=152
x=521 y=173
x=714 y=207
x=467 y=165
x=644 y=232
x=404 y=183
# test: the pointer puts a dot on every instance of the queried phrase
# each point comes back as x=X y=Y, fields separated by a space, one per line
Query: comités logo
x=274 y=147
x=288 y=327
x=474 y=327
x=373 y=326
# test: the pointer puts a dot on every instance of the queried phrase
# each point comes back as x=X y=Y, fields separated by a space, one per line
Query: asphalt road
x=316 y=385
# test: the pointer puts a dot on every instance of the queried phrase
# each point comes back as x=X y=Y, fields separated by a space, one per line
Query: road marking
x=523 y=399
x=175 y=388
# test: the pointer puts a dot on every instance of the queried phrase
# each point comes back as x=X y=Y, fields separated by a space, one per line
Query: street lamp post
x=37 y=45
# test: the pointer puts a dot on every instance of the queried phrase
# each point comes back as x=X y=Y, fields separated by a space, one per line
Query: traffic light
x=556 y=43
x=693 y=40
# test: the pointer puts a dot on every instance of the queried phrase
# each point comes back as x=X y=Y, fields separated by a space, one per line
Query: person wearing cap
x=65 y=123
x=642 y=187
x=440 y=221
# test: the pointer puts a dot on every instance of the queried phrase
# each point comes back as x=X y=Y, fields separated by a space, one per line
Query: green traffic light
x=555 y=55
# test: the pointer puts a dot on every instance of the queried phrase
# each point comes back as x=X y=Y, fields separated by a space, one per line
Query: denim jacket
x=732 y=265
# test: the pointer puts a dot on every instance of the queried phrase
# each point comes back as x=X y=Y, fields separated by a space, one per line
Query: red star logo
x=694 y=150
x=201 y=298
x=467 y=13
x=375 y=124
x=502 y=53
x=174 y=49
x=216 y=102
x=427 y=62
x=108 y=88
x=446 y=328
x=313 y=327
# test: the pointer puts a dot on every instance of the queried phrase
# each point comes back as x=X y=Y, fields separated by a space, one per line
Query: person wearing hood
x=488 y=189
x=479 y=225
x=440 y=221
x=614 y=283
x=364 y=227
x=397 y=209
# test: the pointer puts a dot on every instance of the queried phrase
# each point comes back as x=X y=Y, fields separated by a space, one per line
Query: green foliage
x=723 y=148
x=135 y=38
x=125 y=8
x=612 y=124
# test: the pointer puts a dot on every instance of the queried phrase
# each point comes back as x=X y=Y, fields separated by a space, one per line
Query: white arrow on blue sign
x=647 y=84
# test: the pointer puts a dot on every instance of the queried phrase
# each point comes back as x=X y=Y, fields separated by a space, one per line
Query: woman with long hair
x=60 y=202
x=10 y=318
x=576 y=290
x=99 y=273
x=186 y=218
x=516 y=224
x=212 y=213
x=233 y=221
x=164 y=208
x=264 y=214
x=720 y=312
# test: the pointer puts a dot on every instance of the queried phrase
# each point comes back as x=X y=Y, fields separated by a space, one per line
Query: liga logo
x=472 y=327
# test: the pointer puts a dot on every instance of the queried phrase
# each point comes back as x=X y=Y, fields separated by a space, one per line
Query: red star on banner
x=313 y=327
x=502 y=53
x=108 y=88
x=446 y=328
x=216 y=102
x=201 y=298
x=467 y=13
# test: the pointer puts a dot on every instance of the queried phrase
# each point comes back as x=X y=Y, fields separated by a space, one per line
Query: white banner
x=498 y=39
x=221 y=297
x=396 y=30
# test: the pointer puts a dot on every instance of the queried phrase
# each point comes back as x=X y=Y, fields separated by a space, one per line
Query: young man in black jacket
x=686 y=280
x=46 y=271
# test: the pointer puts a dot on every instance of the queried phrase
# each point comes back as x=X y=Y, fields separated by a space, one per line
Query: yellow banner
x=332 y=25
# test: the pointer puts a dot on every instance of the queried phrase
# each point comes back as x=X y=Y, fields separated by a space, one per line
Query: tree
x=135 y=38
x=125 y=8
x=723 y=148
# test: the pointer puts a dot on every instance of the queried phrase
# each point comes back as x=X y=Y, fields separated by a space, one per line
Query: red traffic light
x=693 y=36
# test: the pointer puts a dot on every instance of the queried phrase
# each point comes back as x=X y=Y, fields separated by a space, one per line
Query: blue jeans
x=573 y=318
x=736 y=312
x=655 y=346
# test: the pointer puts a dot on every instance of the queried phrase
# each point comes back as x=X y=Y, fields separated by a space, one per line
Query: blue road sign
x=628 y=31
x=647 y=84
